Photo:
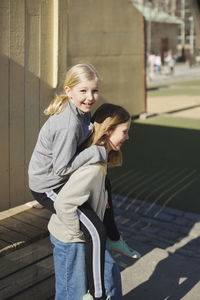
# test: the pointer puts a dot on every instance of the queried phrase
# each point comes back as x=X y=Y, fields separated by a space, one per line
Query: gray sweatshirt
x=54 y=157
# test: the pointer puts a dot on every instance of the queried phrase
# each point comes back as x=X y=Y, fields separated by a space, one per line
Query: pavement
x=181 y=72
x=169 y=242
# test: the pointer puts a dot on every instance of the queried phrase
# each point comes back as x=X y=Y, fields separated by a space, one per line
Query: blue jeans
x=70 y=272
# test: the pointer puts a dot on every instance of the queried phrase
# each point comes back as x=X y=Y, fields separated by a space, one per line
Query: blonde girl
x=55 y=155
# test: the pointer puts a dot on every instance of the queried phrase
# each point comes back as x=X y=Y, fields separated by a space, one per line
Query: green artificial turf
x=172 y=122
x=188 y=83
x=173 y=92
x=176 y=83
x=191 y=87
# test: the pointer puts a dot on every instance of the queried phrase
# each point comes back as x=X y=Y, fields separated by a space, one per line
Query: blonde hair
x=106 y=118
x=75 y=75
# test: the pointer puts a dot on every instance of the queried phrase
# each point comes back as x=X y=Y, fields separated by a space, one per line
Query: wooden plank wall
x=4 y=110
x=39 y=40
x=26 y=83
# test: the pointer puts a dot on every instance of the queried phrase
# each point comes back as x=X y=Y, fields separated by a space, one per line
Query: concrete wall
x=39 y=40
x=113 y=41
x=195 y=5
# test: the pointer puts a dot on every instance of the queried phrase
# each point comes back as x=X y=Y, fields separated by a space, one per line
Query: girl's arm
x=65 y=160
x=88 y=156
x=74 y=193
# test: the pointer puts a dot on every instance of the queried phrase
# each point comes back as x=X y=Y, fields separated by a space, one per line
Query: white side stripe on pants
x=52 y=195
x=96 y=259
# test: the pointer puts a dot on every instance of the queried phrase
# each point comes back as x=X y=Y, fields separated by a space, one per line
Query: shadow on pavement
x=173 y=278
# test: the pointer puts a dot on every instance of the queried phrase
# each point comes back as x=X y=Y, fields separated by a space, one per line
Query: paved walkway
x=181 y=72
x=169 y=242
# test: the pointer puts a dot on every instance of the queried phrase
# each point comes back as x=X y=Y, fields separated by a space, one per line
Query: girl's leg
x=95 y=236
x=44 y=200
x=109 y=220
x=115 y=242
x=47 y=199
x=112 y=278
x=70 y=273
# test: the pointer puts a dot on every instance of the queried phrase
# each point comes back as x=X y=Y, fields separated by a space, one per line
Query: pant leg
x=69 y=265
x=95 y=236
x=109 y=219
x=47 y=199
x=112 y=278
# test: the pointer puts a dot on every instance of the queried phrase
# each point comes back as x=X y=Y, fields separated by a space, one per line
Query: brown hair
x=106 y=118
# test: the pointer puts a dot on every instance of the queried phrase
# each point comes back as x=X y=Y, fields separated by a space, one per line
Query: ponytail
x=56 y=105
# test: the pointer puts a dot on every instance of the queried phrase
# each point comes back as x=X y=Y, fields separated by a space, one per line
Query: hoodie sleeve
x=65 y=161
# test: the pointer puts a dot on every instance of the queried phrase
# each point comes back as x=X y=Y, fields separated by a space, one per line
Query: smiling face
x=118 y=136
x=84 y=94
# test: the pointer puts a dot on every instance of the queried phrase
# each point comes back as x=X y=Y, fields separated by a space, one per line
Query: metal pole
x=149 y=28
x=183 y=24
x=191 y=34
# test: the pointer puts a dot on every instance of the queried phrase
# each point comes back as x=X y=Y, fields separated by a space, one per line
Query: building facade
x=185 y=40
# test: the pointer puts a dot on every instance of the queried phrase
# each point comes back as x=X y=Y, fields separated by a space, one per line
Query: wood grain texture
x=4 y=103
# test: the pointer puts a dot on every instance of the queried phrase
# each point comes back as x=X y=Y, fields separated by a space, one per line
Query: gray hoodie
x=54 y=157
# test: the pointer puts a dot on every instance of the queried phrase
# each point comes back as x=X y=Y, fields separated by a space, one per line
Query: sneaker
x=37 y=205
x=121 y=247
x=87 y=296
